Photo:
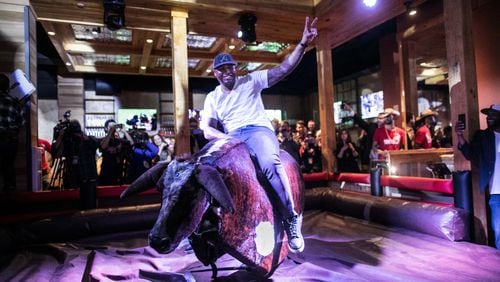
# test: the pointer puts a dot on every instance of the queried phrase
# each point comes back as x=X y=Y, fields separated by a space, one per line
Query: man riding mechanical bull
x=218 y=186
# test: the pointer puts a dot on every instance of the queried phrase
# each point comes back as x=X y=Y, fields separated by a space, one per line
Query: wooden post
x=325 y=95
x=408 y=81
x=180 y=80
x=463 y=96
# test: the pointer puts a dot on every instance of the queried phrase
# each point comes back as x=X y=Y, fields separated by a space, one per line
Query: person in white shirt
x=237 y=104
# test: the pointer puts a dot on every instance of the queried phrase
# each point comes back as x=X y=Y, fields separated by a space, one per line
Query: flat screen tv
x=140 y=118
x=372 y=104
x=337 y=112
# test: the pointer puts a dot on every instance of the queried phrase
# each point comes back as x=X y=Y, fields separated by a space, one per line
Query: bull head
x=186 y=188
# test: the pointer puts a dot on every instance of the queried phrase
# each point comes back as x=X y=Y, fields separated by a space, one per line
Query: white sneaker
x=293 y=227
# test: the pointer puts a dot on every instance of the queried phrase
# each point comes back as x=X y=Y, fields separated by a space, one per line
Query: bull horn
x=211 y=180
x=146 y=181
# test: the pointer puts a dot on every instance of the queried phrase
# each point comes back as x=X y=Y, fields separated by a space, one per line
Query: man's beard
x=228 y=82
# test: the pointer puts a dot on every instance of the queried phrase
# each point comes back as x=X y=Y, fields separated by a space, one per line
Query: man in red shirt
x=44 y=146
x=388 y=137
x=423 y=137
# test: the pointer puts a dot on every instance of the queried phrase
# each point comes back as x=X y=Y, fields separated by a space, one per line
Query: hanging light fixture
x=114 y=14
x=247 y=28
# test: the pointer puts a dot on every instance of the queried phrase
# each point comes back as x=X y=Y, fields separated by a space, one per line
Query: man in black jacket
x=485 y=150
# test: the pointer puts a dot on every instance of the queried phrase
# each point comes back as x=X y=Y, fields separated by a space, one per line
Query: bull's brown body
x=241 y=221
x=252 y=204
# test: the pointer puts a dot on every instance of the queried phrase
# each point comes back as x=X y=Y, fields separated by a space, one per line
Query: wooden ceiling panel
x=277 y=21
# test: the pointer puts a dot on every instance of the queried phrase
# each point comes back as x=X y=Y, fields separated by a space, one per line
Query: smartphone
x=461 y=118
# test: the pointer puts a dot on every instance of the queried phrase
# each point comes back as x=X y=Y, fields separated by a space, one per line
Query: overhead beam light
x=410 y=8
x=370 y=3
x=114 y=14
x=247 y=28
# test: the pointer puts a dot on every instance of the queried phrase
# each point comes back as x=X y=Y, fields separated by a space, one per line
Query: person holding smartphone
x=485 y=149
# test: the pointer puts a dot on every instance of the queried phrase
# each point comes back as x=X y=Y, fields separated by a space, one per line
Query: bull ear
x=146 y=181
x=212 y=181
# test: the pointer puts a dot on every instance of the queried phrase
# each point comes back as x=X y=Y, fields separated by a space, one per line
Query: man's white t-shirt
x=241 y=106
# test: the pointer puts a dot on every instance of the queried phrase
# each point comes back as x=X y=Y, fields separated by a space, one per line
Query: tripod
x=59 y=170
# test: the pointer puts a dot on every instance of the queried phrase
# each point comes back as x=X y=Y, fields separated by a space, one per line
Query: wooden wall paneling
x=70 y=97
x=463 y=95
x=486 y=46
x=18 y=38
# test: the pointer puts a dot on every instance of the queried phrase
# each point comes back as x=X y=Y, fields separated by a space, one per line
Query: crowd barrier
x=437 y=220
x=24 y=206
x=444 y=186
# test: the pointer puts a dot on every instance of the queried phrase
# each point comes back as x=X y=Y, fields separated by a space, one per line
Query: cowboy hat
x=427 y=113
x=388 y=111
x=493 y=109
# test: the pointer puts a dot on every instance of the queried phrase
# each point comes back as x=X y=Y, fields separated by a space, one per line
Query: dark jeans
x=8 y=153
x=495 y=217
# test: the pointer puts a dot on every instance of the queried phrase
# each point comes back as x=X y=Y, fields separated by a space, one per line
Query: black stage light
x=247 y=28
x=114 y=14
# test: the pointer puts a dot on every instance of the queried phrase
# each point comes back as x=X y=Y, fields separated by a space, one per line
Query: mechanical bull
x=223 y=204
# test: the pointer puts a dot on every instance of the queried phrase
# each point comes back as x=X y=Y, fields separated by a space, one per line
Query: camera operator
x=115 y=152
x=143 y=152
x=78 y=151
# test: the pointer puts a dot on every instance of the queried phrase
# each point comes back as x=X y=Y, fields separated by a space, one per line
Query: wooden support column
x=408 y=81
x=180 y=80
x=408 y=76
x=325 y=95
x=463 y=96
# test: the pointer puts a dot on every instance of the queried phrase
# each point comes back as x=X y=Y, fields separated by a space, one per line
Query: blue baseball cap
x=223 y=59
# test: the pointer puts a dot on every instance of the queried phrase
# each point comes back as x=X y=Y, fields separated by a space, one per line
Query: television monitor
x=372 y=104
x=140 y=118
x=337 y=117
x=339 y=114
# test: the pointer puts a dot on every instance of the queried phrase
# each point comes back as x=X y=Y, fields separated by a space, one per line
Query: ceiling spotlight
x=143 y=67
x=68 y=64
x=370 y=3
x=51 y=33
x=410 y=8
x=247 y=28
x=149 y=41
x=114 y=14
x=231 y=47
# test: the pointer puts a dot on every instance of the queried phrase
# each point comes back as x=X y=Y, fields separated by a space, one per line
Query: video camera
x=62 y=124
x=140 y=138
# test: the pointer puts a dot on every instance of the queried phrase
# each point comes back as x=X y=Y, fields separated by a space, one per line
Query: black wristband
x=303 y=45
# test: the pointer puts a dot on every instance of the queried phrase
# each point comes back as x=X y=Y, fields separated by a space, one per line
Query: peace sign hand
x=310 y=32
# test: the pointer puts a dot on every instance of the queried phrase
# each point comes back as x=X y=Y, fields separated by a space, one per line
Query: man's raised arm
x=290 y=62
